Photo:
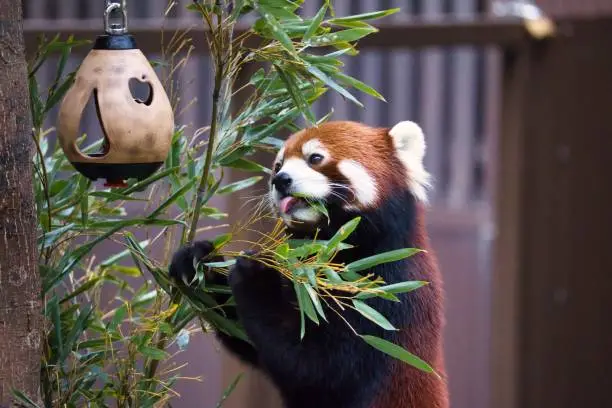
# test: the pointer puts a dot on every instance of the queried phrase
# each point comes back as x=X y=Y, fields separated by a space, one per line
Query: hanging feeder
x=137 y=134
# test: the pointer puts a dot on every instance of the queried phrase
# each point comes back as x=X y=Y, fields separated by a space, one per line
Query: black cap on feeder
x=137 y=133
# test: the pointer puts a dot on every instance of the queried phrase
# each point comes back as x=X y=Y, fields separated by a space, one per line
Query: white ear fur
x=409 y=142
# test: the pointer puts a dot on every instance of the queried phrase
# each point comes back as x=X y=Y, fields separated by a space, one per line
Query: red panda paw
x=249 y=270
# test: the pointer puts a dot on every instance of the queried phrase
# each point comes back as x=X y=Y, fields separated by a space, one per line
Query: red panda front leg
x=182 y=270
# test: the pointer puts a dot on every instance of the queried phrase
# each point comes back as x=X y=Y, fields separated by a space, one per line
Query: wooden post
x=20 y=305
x=552 y=337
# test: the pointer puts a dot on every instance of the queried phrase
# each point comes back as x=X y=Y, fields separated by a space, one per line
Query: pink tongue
x=286 y=204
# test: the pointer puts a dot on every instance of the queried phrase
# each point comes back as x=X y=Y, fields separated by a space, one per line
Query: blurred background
x=518 y=216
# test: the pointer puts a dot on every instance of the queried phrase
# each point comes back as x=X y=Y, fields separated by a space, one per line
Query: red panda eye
x=315 y=158
x=277 y=167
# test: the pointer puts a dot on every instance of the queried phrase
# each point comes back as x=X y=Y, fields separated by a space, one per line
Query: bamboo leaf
x=239 y=185
x=78 y=328
x=357 y=84
x=111 y=196
x=305 y=305
x=315 y=301
x=296 y=95
x=141 y=185
x=398 y=352
x=248 y=165
x=24 y=399
x=153 y=353
x=224 y=264
x=229 y=390
x=276 y=30
x=332 y=84
x=372 y=314
x=390 y=256
x=396 y=288
x=365 y=16
x=81 y=289
x=340 y=235
x=343 y=36
x=315 y=24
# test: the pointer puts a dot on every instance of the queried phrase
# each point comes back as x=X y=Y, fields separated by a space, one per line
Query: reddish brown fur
x=411 y=388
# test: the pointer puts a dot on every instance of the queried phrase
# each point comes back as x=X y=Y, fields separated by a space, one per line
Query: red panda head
x=347 y=164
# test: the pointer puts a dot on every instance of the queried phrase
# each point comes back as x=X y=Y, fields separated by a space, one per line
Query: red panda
x=355 y=170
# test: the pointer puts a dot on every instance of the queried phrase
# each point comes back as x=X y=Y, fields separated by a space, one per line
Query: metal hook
x=114 y=7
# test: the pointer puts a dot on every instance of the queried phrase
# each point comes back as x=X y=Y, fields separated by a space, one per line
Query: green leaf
x=78 y=328
x=315 y=301
x=239 y=185
x=357 y=84
x=390 y=256
x=24 y=399
x=365 y=16
x=372 y=314
x=296 y=95
x=224 y=264
x=248 y=165
x=72 y=259
x=397 y=352
x=332 y=84
x=141 y=185
x=53 y=311
x=81 y=289
x=228 y=391
x=340 y=235
x=153 y=353
x=282 y=251
x=305 y=305
x=333 y=276
x=221 y=240
x=342 y=36
x=118 y=256
x=213 y=213
x=276 y=30
x=47 y=240
x=401 y=287
x=238 y=5
x=111 y=196
x=315 y=24
x=84 y=209
x=118 y=317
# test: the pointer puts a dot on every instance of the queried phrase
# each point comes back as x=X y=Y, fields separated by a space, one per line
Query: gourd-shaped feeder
x=137 y=133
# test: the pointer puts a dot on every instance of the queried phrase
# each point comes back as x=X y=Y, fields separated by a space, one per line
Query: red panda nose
x=282 y=182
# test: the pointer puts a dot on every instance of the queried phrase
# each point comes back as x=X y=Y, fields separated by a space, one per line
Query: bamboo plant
x=115 y=323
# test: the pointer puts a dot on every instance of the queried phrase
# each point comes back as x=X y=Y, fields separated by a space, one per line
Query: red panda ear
x=409 y=142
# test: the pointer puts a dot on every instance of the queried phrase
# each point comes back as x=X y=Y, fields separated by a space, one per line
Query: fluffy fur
x=376 y=174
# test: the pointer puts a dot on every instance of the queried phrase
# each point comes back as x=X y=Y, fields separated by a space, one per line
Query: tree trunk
x=20 y=304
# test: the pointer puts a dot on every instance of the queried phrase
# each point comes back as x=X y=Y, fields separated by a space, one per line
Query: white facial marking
x=362 y=183
x=279 y=155
x=306 y=180
x=314 y=146
x=409 y=142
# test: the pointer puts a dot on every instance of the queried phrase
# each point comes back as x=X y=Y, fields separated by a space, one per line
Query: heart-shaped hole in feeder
x=142 y=90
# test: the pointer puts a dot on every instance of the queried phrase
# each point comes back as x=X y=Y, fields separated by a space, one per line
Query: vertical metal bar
x=36 y=9
x=337 y=102
x=463 y=127
x=371 y=73
x=401 y=93
x=67 y=9
x=431 y=103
